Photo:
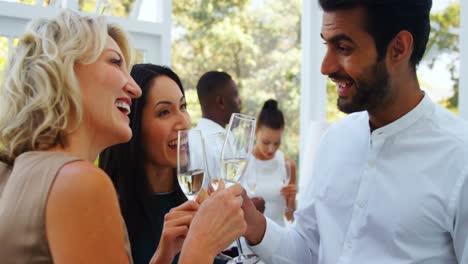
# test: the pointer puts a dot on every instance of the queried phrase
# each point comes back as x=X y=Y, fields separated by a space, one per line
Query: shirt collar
x=425 y=106
x=210 y=125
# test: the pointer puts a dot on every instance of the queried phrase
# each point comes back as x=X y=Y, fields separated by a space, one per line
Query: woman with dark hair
x=275 y=174
x=143 y=170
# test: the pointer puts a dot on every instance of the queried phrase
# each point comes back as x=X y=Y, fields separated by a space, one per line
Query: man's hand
x=259 y=203
x=256 y=222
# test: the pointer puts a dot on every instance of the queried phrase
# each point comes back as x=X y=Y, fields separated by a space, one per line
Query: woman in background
x=275 y=174
x=63 y=100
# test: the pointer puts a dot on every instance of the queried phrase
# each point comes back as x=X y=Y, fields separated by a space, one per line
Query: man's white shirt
x=208 y=126
x=212 y=149
x=398 y=194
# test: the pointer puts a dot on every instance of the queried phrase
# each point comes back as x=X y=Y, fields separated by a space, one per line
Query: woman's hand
x=289 y=192
x=218 y=222
x=176 y=226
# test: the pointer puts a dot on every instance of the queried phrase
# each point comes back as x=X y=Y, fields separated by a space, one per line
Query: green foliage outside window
x=257 y=42
x=118 y=8
x=3 y=55
x=445 y=38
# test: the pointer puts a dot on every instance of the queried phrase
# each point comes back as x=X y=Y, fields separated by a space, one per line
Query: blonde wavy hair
x=40 y=98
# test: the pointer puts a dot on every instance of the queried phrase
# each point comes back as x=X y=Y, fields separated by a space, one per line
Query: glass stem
x=239 y=247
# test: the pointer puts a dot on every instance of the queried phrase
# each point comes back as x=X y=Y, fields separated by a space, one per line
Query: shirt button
x=370 y=163
x=360 y=204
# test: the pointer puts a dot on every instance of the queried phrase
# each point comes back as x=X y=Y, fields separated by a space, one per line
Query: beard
x=372 y=92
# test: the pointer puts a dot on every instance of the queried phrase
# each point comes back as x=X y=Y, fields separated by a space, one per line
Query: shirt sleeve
x=300 y=242
x=460 y=219
x=295 y=244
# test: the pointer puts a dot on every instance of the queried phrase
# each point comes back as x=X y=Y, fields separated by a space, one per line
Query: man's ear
x=220 y=102
x=400 y=48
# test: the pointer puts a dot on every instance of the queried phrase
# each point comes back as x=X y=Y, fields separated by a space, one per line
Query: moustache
x=340 y=77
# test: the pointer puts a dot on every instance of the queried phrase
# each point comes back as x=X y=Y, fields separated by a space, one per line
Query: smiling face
x=352 y=63
x=268 y=142
x=107 y=89
x=164 y=114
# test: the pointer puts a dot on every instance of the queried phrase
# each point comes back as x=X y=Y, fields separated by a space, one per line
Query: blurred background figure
x=274 y=174
x=219 y=99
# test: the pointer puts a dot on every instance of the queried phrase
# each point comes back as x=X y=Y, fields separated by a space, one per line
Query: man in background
x=219 y=99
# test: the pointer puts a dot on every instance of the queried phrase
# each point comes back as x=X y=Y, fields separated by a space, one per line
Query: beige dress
x=24 y=189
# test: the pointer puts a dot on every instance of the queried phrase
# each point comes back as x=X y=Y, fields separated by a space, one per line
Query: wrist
x=161 y=258
x=193 y=252
x=256 y=229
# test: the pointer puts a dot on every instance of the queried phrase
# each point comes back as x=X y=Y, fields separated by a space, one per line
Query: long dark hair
x=124 y=162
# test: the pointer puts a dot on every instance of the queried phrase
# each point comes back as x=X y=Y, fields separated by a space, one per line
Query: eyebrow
x=337 y=38
x=168 y=102
x=115 y=51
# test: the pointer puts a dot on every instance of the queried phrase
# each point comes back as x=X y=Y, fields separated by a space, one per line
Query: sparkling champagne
x=191 y=181
x=215 y=183
x=253 y=186
x=234 y=169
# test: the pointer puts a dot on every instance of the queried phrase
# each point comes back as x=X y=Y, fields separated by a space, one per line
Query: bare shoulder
x=291 y=165
x=80 y=181
x=80 y=188
x=83 y=220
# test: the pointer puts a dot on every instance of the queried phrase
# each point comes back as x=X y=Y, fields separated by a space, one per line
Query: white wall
x=154 y=38
x=463 y=88
x=313 y=83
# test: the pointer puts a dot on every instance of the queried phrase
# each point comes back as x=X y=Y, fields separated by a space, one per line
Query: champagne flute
x=213 y=147
x=234 y=156
x=190 y=162
x=237 y=147
x=287 y=176
x=250 y=179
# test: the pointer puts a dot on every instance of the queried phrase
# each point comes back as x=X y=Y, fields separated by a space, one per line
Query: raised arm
x=275 y=244
x=176 y=226
x=218 y=222
x=289 y=191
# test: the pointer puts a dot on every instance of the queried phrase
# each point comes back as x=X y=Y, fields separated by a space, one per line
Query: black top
x=145 y=241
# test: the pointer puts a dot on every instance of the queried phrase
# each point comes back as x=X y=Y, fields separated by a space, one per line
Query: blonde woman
x=65 y=97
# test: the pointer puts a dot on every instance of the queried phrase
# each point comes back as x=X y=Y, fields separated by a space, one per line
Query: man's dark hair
x=210 y=82
x=385 y=18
